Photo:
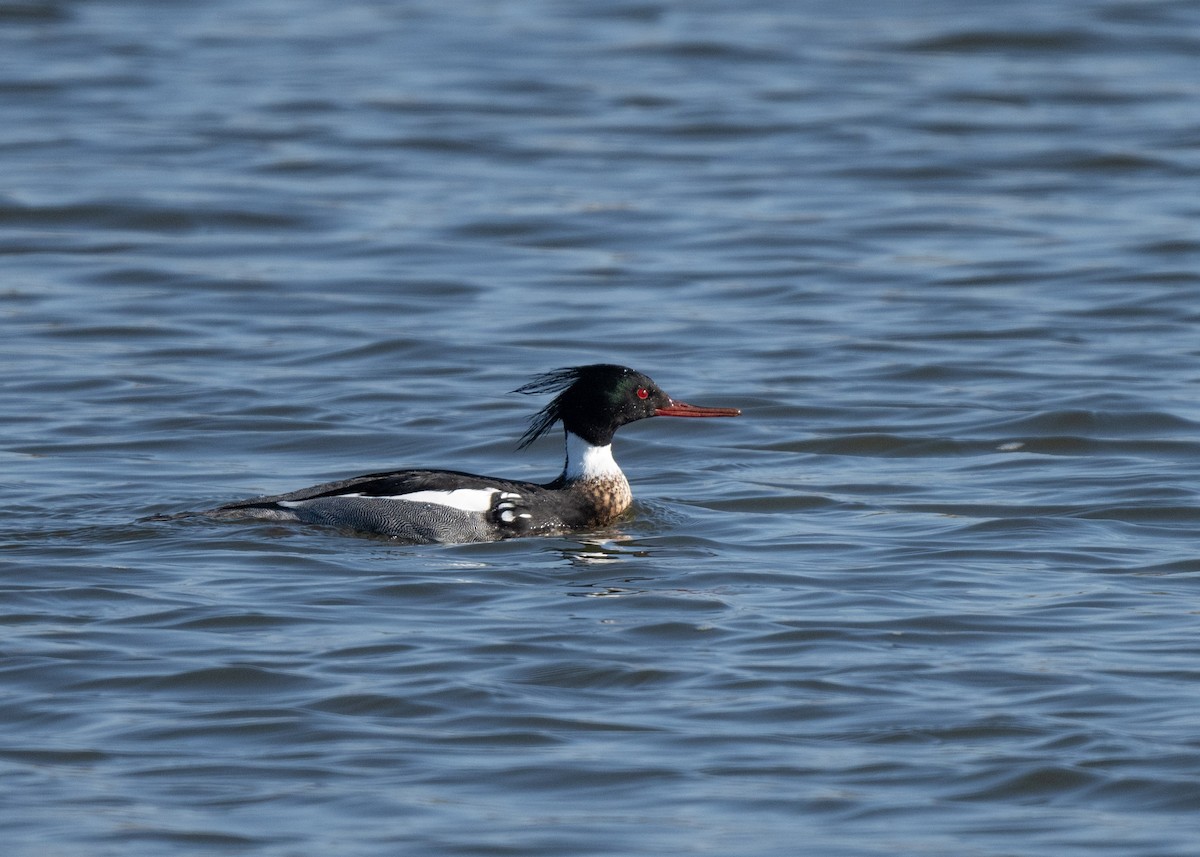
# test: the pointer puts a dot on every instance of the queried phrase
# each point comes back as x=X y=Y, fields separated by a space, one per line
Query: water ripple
x=932 y=593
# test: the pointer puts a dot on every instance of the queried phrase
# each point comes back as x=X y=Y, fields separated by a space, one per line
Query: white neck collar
x=586 y=462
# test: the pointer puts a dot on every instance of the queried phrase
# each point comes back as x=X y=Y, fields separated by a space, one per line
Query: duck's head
x=594 y=401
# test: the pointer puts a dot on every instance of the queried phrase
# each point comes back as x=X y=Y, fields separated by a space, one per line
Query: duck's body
x=448 y=506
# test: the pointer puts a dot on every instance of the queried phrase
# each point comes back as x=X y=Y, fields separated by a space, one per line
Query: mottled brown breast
x=608 y=497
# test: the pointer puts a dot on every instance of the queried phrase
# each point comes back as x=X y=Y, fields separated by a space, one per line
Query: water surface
x=934 y=593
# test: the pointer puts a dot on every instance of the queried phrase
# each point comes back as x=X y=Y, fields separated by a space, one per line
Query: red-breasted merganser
x=446 y=506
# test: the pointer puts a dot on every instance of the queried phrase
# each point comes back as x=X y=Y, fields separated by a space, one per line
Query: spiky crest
x=554 y=381
x=562 y=381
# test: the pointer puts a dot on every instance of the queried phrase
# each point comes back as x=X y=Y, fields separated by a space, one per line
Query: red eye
x=643 y=393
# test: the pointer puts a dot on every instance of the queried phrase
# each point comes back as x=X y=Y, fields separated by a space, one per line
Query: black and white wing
x=414 y=506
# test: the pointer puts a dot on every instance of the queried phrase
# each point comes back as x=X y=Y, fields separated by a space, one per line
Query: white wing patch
x=463 y=499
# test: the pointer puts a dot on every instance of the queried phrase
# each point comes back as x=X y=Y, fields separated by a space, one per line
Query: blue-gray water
x=937 y=592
